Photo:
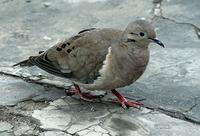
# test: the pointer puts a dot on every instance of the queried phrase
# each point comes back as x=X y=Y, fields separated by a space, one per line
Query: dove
x=100 y=59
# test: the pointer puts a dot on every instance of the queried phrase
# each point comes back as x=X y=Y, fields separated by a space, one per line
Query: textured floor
x=33 y=102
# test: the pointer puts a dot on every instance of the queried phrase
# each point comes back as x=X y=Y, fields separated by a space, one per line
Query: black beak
x=158 y=42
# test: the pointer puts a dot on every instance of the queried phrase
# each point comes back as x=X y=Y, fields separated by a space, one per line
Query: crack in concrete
x=54 y=129
x=196 y=28
x=192 y=107
x=175 y=114
x=88 y=128
x=179 y=115
x=107 y=117
x=75 y=134
x=101 y=121
x=7 y=114
x=157 y=12
x=17 y=119
x=17 y=115
x=13 y=115
x=38 y=81
x=33 y=79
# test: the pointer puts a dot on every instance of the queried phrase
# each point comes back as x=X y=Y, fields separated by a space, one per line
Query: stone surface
x=21 y=91
x=6 y=134
x=53 y=133
x=5 y=129
x=5 y=126
x=23 y=129
x=182 y=11
x=162 y=125
x=130 y=122
x=170 y=85
x=52 y=119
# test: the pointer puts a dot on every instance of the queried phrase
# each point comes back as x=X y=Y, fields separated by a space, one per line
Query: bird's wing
x=79 y=57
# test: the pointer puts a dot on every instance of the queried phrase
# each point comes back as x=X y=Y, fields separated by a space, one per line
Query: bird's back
x=79 y=57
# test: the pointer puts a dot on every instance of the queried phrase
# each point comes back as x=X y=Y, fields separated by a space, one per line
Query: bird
x=100 y=59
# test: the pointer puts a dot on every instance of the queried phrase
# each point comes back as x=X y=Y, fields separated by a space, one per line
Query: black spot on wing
x=63 y=45
x=69 y=50
x=44 y=63
x=59 y=49
x=40 y=52
x=86 y=30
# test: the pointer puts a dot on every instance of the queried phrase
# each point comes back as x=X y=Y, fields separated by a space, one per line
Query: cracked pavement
x=34 y=103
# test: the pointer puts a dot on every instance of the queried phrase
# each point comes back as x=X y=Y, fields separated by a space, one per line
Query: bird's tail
x=24 y=63
x=27 y=62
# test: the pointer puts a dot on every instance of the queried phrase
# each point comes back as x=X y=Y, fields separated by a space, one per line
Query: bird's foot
x=124 y=102
x=83 y=95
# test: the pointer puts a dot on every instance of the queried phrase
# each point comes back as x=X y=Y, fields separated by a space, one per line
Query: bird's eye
x=142 y=34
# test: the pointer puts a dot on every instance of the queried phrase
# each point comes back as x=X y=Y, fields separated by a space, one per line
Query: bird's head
x=140 y=32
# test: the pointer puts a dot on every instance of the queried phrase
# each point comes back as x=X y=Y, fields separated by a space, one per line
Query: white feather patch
x=106 y=62
x=102 y=82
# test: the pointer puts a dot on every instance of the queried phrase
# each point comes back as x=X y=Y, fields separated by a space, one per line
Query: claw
x=83 y=95
x=124 y=102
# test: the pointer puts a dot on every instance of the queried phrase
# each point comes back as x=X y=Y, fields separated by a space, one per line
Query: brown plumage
x=100 y=59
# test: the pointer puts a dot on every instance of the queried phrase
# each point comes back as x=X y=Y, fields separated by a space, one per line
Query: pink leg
x=124 y=102
x=83 y=95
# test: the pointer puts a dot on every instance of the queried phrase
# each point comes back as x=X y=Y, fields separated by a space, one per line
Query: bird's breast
x=132 y=65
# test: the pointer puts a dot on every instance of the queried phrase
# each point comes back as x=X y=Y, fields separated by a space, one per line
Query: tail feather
x=43 y=62
x=24 y=63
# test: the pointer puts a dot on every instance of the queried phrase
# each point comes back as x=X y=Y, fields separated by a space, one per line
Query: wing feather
x=44 y=63
x=79 y=57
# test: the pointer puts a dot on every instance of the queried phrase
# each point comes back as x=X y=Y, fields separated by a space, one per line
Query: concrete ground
x=33 y=102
